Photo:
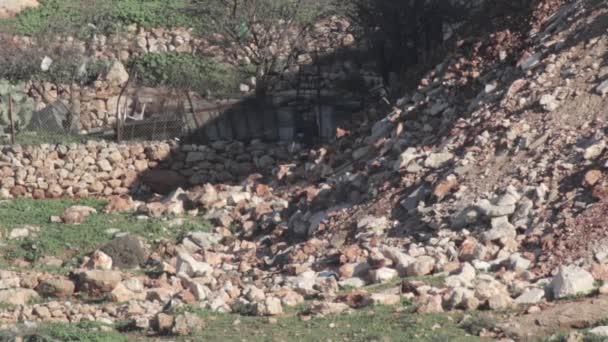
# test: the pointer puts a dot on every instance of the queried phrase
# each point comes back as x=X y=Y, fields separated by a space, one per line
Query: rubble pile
x=489 y=201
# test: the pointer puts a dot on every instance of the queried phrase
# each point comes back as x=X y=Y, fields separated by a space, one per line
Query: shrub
x=186 y=72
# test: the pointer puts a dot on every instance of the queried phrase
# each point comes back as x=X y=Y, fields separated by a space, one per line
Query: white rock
x=490 y=210
x=385 y=299
x=305 y=282
x=511 y=197
x=5 y=194
x=273 y=306
x=437 y=160
x=531 y=296
x=46 y=63
x=549 y=102
x=104 y=165
x=188 y=265
x=463 y=298
x=373 y=223
x=382 y=275
x=18 y=233
x=244 y=88
x=354 y=282
x=570 y=281
x=423 y=265
x=400 y=259
x=481 y=265
x=494 y=292
x=501 y=228
x=10 y=283
x=117 y=74
x=204 y=239
x=594 y=151
x=17 y=296
x=236 y=197
x=600 y=331
x=519 y=263
x=254 y=294
x=99 y=260
x=405 y=158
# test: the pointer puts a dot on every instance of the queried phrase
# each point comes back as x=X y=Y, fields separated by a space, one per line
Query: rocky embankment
x=455 y=202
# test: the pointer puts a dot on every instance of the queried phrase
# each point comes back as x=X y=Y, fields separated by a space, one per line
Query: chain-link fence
x=154 y=128
x=51 y=124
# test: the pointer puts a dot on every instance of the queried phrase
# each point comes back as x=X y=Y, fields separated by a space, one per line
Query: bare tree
x=270 y=33
x=43 y=61
x=55 y=53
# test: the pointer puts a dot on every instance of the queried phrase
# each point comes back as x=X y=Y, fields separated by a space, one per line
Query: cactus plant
x=23 y=106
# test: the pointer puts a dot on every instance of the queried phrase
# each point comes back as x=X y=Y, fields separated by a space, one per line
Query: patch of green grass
x=435 y=281
x=107 y=16
x=590 y=294
x=84 y=331
x=64 y=240
x=476 y=324
x=37 y=138
x=373 y=324
x=185 y=71
x=377 y=324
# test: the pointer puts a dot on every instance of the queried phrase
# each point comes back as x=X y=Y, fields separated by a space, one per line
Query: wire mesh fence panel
x=51 y=125
x=156 y=128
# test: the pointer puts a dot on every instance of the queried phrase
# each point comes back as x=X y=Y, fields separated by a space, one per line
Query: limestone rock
x=385 y=299
x=382 y=275
x=192 y=267
x=187 y=324
x=77 y=214
x=122 y=293
x=119 y=204
x=594 y=151
x=96 y=282
x=117 y=74
x=423 y=265
x=600 y=331
x=531 y=296
x=437 y=160
x=99 y=261
x=571 y=281
x=493 y=293
x=462 y=298
x=17 y=296
x=58 y=287
x=549 y=102
x=273 y=306
x=501 y=228
x=163 y=323
x=430 y=304
x=491 y=210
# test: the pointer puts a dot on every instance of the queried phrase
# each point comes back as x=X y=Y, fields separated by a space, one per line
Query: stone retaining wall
x=98 y=102
x=103 y=169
